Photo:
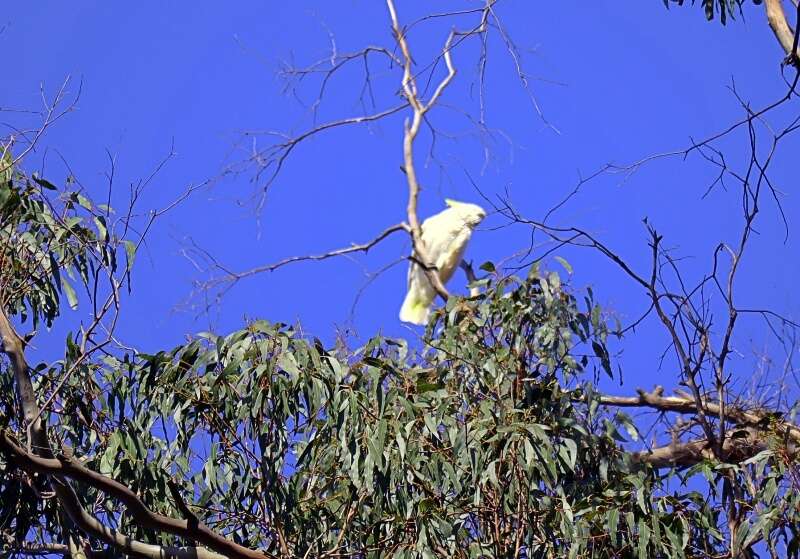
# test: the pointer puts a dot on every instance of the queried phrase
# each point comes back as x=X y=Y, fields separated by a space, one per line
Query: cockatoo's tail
x=445 y=236
x=414 y=310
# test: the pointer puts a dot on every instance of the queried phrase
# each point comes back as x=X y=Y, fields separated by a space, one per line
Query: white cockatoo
x=445 y=236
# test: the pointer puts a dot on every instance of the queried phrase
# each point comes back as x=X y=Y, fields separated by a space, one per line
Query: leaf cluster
x=723 y=9
x=486 y=441
x=51 y=241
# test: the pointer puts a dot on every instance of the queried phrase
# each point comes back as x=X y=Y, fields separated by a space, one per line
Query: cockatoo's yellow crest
x=445 y=236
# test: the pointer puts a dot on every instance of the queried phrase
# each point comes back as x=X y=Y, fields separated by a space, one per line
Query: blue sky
x=619 y=80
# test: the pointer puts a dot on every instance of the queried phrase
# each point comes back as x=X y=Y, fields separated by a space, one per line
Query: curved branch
x=41 y=460
x=230 y=277
x=276 y=155
x=94 y=527
x=69 y=467
x=364 y=247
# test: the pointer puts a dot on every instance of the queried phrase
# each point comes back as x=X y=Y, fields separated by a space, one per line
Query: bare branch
x=630 y=169
x=229 y=277
x=411 y=129
x=50 y=116
x=275 y=156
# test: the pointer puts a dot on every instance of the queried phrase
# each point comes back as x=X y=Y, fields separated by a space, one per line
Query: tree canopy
x=488 y=436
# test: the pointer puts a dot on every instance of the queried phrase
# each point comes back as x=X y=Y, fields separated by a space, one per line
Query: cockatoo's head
x=472 y=214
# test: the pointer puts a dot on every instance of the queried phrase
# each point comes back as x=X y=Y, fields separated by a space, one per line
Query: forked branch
x=411 y=129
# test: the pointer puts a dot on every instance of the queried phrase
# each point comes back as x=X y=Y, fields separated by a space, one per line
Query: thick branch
x=68 y=467
x=411 y=130
x=31 y=548
x=92 y=526
x=14 y=348
x=680 y=404
x=734 y=450
x=783 y=33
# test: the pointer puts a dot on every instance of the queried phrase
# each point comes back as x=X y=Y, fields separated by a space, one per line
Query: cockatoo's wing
x=450 y=258
x=421 y=294
x=447 y=235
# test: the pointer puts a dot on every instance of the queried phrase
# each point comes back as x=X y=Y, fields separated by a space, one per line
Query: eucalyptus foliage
x=485 y=439
x=723 y=9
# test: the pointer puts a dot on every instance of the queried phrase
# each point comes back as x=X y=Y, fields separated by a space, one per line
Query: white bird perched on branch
x=445 y=236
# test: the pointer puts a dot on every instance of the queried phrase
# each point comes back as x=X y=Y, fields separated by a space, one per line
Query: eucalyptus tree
x=490 y=438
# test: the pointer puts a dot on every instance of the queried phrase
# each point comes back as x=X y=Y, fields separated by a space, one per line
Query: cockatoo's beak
x=476 y=219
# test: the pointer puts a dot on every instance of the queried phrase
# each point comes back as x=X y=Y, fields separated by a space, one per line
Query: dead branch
x=629 y=169
x=228 y=277
x=275 y=156
x=51 y=114
x=329 y=66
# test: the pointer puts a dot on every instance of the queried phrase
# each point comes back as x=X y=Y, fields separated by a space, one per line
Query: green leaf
x=572 y=449
x=83 y=201
x=288 y=363
x=72 y=297
x=43 y=183
x=564 y=264
x=423 y=386
x=102 y=230
x=130 y=254
x=612 y=522
x=644 y=539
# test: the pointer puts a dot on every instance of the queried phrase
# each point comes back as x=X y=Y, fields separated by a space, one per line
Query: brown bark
x=681 y=404
x=734 y=450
